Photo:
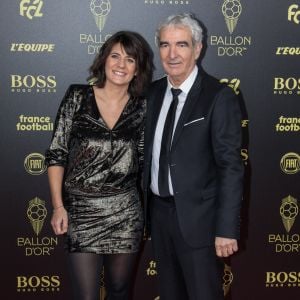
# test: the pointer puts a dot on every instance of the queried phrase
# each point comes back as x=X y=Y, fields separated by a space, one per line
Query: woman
x=94 y=164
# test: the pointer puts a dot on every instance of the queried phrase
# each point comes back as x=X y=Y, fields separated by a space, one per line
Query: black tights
x=85 y=269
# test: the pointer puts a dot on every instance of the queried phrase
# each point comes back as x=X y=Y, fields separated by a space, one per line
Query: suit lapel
x=191 y=100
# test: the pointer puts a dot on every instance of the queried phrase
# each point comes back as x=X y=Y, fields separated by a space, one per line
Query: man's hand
x=225 y=247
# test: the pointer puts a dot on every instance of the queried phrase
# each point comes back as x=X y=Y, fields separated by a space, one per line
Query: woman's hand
x=59 y=220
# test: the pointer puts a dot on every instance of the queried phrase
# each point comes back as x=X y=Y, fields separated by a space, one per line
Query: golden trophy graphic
x=289 y=210
x=231 y=10
x=100 y=9
x=36 y=213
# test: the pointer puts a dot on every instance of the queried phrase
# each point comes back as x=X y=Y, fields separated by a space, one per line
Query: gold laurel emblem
x=289 y=210
x=227 y=279
x=290 y=163
x=100 y=9
x=34 y=164
x=36 y=213
x=231 y=10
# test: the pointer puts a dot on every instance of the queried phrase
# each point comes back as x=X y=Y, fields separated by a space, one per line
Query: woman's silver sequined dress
x=102 y=168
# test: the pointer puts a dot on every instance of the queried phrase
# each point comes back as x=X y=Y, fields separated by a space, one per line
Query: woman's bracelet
x=56 y=208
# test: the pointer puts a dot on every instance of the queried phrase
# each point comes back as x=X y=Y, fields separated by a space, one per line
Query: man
x=193 y=173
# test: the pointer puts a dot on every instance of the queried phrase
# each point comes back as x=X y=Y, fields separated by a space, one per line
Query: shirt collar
x=187 y=84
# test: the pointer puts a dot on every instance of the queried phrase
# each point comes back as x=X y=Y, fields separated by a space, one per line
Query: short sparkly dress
x=102 y=170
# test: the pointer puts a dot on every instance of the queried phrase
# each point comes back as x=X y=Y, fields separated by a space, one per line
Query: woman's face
x=120 y=68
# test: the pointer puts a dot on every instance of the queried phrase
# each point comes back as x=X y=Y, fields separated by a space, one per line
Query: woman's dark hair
x=134 y=45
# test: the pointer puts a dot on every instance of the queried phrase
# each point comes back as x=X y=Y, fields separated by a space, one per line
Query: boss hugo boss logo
x=294 y=13
x=286 y=86
x=167 y=2
x=283 y=279
x=33 y=83
x=42 y=283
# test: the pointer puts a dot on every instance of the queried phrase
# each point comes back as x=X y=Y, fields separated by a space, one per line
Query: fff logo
x=294 y=13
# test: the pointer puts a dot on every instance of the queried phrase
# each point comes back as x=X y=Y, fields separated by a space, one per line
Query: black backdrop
x=251 y=45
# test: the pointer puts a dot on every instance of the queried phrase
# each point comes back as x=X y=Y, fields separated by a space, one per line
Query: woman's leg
x=118 y=275
x=85 y=270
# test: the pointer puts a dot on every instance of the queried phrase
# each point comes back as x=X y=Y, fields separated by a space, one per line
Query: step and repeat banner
x=253 y=46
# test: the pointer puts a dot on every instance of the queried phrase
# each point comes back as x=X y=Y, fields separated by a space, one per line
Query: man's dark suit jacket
x=206 y=167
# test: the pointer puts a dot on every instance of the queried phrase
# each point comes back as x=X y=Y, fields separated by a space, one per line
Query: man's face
x=177 y=53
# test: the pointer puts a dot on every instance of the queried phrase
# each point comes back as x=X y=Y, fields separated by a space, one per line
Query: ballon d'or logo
x=289 y=210
x=36 y=213
x=231 y=10
x=100 y=9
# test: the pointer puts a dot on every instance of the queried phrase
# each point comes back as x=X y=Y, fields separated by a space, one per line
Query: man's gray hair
x=182 y=20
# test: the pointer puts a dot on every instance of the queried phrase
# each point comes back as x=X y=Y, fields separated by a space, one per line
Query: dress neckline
x=99 y=115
